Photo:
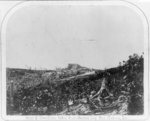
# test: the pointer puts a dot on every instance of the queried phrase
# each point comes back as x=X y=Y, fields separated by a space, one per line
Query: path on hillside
x=78 y=76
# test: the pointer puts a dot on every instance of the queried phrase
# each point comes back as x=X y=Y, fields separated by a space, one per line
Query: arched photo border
x=23 y=4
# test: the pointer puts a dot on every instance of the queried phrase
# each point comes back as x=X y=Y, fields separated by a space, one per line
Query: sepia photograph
x=74 y=59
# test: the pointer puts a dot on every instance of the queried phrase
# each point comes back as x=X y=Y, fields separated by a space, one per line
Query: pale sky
x=53 y=36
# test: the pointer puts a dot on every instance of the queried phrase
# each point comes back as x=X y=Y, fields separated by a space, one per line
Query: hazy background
x=53 y=36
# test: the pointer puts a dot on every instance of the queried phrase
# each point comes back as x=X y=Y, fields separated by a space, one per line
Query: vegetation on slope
x=44 y=93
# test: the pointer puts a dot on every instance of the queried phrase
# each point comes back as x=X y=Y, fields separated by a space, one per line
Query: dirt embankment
x=80 y=92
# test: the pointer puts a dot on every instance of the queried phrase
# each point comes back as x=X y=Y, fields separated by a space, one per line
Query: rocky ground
x=77 y=90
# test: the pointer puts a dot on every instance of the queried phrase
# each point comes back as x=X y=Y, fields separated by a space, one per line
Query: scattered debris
x=79 y=91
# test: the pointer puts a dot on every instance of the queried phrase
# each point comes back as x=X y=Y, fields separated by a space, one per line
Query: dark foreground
x=77 y=90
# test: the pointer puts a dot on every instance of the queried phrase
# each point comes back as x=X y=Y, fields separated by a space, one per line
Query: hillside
x=77 y=90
